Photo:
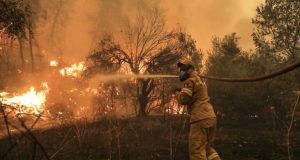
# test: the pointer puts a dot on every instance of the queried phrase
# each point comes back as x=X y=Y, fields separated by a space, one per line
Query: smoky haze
x=70 y=29
x=204 y=19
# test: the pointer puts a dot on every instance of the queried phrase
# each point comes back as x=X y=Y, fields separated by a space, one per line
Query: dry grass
x=154 y=138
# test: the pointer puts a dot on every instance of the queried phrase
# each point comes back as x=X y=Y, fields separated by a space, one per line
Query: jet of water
x=112 y=77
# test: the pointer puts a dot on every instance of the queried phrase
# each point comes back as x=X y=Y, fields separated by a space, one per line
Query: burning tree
x=144 y=47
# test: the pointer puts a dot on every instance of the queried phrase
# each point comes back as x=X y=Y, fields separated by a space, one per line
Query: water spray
x=111 y=77
x=244 y=79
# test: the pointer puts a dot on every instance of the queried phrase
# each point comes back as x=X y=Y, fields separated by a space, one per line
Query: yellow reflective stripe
x=213 y=156
x=187 y=91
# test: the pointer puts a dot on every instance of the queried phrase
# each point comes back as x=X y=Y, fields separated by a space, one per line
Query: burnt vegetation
x=90 y=110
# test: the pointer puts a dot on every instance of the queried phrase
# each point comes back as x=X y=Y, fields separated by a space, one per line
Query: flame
x=30 y=102
x=53 y=63
x=173 y=107
x=74 y=70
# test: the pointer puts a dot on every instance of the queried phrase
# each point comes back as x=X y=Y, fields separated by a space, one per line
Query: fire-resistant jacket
x=194 y=95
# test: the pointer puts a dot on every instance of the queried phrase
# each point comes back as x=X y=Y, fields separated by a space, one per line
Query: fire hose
x=257 y=78
x=246 y=79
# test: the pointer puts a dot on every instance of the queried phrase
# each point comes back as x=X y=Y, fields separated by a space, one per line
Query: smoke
x=79 y=30
x=70 y=29
x=204 y=19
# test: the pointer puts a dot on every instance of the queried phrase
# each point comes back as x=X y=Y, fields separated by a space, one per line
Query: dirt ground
x=154 y=138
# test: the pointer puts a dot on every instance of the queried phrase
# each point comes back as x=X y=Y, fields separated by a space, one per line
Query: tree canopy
x=278 y=27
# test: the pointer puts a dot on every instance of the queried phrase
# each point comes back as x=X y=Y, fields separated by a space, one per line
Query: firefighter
x=202 y=116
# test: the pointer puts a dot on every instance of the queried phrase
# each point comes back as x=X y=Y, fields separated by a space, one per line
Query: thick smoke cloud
x=71 y=28
x=204 y=19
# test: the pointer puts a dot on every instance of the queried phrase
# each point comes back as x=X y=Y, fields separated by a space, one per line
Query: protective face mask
x=183 y=75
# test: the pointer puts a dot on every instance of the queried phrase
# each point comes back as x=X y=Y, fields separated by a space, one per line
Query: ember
x=53 y=63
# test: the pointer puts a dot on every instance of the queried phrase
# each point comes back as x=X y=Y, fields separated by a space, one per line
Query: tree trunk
x=20 y=40
x=142 y=98
x=143 y=101
x=146 y=86
x=30 y=49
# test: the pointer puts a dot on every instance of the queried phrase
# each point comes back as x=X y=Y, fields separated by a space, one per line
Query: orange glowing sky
x=204 y=19
x=86 y=21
